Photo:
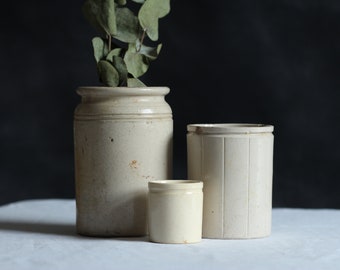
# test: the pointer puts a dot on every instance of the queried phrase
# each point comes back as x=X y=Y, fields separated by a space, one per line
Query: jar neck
x=108 y=92
x=122 y=102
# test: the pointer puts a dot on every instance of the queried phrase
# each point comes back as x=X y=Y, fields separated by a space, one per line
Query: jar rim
x=97 y=91
x=230 y=128
x=175 y=184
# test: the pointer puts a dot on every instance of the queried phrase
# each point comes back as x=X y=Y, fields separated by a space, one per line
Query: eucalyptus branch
x=130 y=59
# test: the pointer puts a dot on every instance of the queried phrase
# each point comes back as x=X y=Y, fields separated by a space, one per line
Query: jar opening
x=175 y=184
x=235 y=128
x=103 y=91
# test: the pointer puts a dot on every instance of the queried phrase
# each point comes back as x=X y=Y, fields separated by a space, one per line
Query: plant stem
x=110 y=40
x=142 y=39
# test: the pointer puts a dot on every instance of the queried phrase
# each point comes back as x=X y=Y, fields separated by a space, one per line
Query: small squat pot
x=175 y=211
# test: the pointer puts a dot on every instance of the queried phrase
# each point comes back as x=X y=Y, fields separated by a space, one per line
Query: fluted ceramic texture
x=236 y=169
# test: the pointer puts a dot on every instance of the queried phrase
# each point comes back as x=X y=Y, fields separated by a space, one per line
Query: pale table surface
x=40 y=234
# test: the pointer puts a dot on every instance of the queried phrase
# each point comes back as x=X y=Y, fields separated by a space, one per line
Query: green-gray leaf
x=120 y=66
x=139 y=1
x=101 y=14
x=150 y=52
x=136 y=63
x=149 y=13
x=114 y=52
x=133 y=82
x=107 y=73
x=121 y=2
x=90 y=11
x=127 y=25
x=99 y=48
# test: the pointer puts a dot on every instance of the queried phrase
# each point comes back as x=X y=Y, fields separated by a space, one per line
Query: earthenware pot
x=175 y=211
x=123 y=139
x=235 y=162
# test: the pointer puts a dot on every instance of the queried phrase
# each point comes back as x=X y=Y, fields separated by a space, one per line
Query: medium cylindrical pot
x=235 y=162
x=175 y=211
x=123 y=139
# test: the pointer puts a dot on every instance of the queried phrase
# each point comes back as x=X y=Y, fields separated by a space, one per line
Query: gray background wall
x=274 y=62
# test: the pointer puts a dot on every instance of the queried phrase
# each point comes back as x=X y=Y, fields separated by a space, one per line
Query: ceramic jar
x=175 y=211
x=123 y=139
x=235 y=162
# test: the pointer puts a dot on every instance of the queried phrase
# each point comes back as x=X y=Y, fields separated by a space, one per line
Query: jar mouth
x=175 y=184
x=102 y=91
x=230 y=128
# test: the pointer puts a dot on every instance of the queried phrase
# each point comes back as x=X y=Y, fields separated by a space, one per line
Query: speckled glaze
x=235 y=162
x=175 y=211
x=123 y=139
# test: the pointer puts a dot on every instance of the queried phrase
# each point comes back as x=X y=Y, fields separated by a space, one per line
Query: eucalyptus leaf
x=121 y=2
x=127 y=25
x=107 y=73
x=99 y=49
x=133 y=82
x=90 y=11
x=114 y=52
x=136 y=63
x=101 y=14
x=149 y=13
x=120 y=66
x=139 y=1
x=150 y=52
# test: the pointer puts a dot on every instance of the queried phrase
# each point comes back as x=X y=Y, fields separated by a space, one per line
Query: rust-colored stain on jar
x=133 y=164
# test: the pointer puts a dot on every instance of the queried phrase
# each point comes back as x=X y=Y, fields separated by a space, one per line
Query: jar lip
x=230 y=128
x=175 y=184
x=122 y=91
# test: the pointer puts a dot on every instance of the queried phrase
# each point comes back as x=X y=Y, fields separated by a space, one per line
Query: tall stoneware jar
x=123 y=140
